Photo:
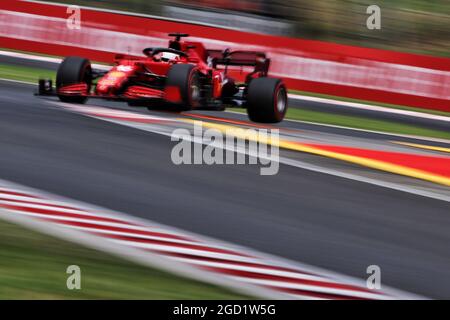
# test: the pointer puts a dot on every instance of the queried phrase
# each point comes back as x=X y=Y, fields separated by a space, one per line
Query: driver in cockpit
x=166 y=57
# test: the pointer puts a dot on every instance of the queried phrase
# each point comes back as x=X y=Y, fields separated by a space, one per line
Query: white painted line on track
x=19 y=81
x=35 y=57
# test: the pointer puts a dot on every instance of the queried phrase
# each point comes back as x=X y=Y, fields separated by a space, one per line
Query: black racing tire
x=266 y=100
x=187 y=79
x=71 y=71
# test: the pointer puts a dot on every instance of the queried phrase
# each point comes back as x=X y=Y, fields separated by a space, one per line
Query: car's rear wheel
x=183 y=86
x=266 y=100
x=74 y=70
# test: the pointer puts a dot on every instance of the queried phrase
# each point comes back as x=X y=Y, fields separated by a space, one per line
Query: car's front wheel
x=183 y=86
x=74 y=70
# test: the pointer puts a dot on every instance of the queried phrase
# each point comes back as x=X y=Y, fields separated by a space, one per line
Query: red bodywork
x=142 y=78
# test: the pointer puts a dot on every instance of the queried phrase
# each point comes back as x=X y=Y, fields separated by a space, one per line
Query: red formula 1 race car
x=183 y=76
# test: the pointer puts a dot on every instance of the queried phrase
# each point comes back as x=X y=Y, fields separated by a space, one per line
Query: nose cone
x=111 y=82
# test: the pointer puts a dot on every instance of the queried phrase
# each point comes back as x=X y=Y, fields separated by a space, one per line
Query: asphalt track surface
x=326 y=221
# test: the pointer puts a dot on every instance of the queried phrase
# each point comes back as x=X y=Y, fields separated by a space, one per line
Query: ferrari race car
x=183 y=76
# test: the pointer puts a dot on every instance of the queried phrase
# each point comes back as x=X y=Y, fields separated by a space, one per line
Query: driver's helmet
x=166 y=57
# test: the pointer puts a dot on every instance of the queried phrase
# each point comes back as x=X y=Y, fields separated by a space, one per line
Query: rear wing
x=235 y=58
x=240 y=58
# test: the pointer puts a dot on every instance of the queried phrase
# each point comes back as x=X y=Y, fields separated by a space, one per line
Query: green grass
x=33 y=266
x=363 y=123
x=27 y=74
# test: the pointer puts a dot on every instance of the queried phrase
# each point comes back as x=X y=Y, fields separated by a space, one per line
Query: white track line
x=18 y=81
x=34 y=57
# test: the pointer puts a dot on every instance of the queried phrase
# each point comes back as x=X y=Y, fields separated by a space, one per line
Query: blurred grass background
x=33 y=266
x=418 y=26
